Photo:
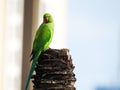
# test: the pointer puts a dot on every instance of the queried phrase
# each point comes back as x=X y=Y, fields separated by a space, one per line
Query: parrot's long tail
x=34 y=62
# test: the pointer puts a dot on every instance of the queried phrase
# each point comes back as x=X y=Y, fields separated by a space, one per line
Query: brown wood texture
x=54 y=71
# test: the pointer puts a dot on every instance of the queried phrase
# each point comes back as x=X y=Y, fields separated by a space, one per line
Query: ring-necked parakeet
x=41 y=42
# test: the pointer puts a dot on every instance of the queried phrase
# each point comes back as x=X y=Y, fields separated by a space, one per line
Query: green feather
x=41 y=42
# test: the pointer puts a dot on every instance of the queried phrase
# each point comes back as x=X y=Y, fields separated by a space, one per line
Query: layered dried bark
x=54 y=71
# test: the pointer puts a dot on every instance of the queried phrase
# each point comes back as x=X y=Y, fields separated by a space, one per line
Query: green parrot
x=41 y=42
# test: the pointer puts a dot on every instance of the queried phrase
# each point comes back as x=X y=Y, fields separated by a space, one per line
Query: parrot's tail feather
x=32 y=69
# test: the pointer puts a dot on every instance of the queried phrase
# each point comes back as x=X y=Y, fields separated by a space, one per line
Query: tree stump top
x=54 y=71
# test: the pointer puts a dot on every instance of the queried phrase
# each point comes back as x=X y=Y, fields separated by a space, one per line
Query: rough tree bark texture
x=54 y=71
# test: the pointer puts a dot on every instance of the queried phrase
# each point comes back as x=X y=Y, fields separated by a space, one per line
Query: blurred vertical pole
x=2 y=39
x=30 y=26
x=27 y=36
x=35 y=20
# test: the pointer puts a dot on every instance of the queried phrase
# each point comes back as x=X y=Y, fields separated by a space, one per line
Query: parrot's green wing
x=42 y=39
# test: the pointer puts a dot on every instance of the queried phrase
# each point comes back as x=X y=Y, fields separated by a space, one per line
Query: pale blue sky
x=93 y=38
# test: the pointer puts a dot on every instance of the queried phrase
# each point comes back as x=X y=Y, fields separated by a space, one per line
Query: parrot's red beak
x=46 y=20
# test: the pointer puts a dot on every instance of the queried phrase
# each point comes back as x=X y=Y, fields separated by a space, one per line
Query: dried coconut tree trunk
x=54 y=71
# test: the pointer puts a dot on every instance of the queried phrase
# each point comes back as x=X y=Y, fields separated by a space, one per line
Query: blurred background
x=89 y=28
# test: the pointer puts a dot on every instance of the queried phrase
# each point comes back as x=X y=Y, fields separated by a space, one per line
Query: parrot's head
x=47 y=18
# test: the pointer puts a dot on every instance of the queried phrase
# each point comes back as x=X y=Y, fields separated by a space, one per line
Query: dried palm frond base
x=54 y=71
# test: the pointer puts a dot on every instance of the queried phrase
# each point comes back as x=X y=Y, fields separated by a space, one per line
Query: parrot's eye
x=46 y=19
